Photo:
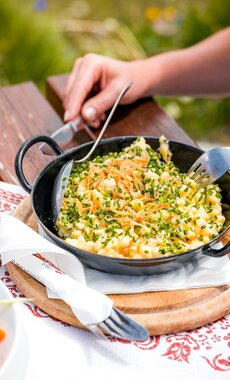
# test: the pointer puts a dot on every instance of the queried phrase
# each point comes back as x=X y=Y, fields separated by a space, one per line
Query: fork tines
x=199 y=174
x=121 y=326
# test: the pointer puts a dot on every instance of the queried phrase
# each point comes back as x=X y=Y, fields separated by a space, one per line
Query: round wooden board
x=160 y=312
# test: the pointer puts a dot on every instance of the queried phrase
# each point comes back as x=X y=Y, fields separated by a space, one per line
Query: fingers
x=103 y=117
x=110 y=75
x=72 y=76
x=96 y=106
x=85 y=74
x=97 y=122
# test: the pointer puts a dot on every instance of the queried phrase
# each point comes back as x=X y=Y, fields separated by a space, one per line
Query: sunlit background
x=39 y=38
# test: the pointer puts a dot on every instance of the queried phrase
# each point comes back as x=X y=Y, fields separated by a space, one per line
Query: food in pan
x=136 y=204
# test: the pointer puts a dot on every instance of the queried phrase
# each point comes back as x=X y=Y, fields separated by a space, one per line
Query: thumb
x=97 y=105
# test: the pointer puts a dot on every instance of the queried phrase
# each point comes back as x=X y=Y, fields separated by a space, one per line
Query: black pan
x=183 y=157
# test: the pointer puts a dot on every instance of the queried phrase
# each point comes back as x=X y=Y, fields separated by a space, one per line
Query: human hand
x=110 y=75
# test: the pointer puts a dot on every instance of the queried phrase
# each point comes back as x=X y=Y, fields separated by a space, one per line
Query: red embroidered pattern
x=219 y=362
x=9 y=201
x=182 y=347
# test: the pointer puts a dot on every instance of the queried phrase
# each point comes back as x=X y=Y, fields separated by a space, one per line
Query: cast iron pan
x=183 y=157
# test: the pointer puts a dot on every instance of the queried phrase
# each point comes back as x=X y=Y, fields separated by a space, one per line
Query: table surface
x=24 y=112
x=61 y=351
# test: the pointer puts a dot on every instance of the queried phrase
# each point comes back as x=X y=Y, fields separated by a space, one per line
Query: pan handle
x=220 y=246
x=18 y=163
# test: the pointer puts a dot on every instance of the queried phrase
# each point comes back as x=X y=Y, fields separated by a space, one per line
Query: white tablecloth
x=60 y=351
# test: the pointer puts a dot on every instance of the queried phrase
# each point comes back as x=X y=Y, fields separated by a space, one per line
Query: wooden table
x=24 y=112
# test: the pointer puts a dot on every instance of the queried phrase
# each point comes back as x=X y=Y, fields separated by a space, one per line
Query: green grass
x=34 y=45
x=30 y=46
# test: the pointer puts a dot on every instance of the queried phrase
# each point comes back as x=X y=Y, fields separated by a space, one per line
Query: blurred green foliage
x=43 y=37
x=203 y=118
x=30 y=46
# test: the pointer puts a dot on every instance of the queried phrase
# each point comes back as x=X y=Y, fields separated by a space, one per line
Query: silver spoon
x=61 y=180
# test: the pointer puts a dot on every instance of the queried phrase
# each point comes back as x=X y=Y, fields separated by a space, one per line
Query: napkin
x=202 y=273
x=20 y=244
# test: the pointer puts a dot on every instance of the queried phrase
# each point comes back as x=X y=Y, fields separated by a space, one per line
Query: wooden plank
x=24 y=112
x=144 y=117
x=162 y=312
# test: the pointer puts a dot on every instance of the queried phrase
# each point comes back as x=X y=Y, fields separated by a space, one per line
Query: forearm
x=201 y=70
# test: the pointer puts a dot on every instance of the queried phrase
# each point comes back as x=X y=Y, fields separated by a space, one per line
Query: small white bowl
x=14 y=349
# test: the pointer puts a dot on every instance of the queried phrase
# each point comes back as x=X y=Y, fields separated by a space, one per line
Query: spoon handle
x=122 y=93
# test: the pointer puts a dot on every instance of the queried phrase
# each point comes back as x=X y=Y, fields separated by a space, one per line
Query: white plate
x=17 y=363
x=20 y=366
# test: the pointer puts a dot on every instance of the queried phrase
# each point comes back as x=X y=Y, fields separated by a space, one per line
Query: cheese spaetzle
x=134 y=204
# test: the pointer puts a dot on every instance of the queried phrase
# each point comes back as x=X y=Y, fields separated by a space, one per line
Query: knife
x=65 y=134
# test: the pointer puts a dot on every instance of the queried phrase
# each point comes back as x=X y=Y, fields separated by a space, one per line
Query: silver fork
x=62 y=177
x=119 y=325
x=210 y=166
